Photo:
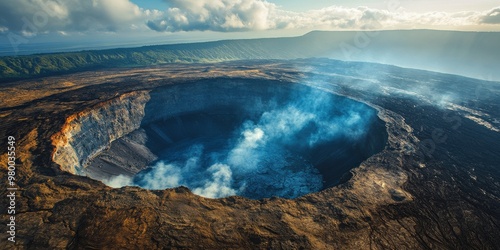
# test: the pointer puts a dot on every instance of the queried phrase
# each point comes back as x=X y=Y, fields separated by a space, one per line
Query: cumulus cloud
x=492 y=17
x=40 y=16
x=240 y=15
x=338 y=18
x=216 y=15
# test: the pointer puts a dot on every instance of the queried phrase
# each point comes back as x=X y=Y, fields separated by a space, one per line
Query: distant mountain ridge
x=473 y=54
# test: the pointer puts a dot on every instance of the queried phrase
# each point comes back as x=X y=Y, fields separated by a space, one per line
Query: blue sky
x=77 y=23
x=414 y=5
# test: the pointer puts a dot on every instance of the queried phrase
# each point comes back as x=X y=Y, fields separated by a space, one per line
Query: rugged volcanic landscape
x=422 y=173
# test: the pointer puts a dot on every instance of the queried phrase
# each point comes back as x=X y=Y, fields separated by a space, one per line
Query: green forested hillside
x=475 y=54
x=46 y=64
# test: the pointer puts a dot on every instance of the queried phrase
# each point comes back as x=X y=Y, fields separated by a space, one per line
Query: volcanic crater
x=116 y=126
x=257 y=139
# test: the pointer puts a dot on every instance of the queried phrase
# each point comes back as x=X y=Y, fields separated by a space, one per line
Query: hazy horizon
x=51 y=26
x=44 y=46
x=29 y=27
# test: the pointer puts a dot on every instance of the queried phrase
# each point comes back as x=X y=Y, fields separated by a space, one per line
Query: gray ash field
x=422 y=171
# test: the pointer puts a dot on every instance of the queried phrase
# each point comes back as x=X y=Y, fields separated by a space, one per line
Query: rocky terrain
x=434 y=185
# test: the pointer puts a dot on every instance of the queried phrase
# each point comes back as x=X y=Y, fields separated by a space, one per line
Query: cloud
x=31 y=17
x=339 y=18
x=241 y=15
x=492 y=17
x=41 y=16
x=215 y=15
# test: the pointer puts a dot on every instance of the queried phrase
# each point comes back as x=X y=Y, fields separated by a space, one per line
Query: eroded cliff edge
x=86 y=133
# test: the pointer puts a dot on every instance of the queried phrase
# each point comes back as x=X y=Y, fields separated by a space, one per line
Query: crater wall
x=89 y=132
x=123 y=136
